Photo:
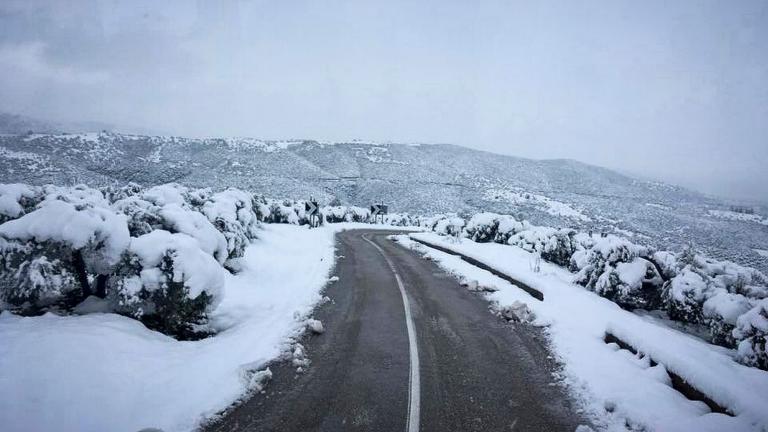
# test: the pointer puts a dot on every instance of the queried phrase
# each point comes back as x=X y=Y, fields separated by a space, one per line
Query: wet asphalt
x=477 y=372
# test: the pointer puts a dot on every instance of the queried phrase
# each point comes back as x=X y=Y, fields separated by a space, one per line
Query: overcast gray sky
x=676 y=90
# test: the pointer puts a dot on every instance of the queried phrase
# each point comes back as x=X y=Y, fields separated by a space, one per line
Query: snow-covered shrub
x=685 y=294
x=284 y=212
x=721 y=312
x=666 y=263
x=492 y=227
x=555 y=245
x=117 y=193
x=46 y=250
x=142 y=215
x=217 y=235
x=507 y=227
x=31 y=278
x=168 y=282
x=170 y=193
x=17 y=199
x=710 y=292
x=482 y=227
x=358 y=214
x=449 y=225
x=615 y=268
x=752 y=330
x=336 y=214
x=232 y=213
x=401 y=219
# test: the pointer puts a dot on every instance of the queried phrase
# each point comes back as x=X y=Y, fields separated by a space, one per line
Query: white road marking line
x=414 y=381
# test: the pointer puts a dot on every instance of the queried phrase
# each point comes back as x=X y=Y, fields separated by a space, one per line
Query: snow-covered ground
x=736 y=216
x=546 y=204
x=106 y=372
x=618 y=389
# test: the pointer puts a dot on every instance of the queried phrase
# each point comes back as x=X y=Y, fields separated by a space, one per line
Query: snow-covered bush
x=719 y=296
x=450 y=225
x=554 y=245
x=17 y=200
x=336 y=214
x=117 y=193
x=685 y=294
x=615 y=268
x=63 y=239
x=168 y=282
x=30 y=278
x=492 y=227
x=751 y=331
x=710 y=292
x=721 y=312
x=232 y=212
x=223 y=223
x=287 y=212
x=401 y=219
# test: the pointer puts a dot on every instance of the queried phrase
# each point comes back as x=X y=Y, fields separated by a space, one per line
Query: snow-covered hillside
x=422 y=179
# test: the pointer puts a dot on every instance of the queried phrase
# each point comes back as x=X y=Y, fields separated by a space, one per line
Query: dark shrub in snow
x=168 y=283
x=338 y=214
x=482 y=227
x=752 y=330
x=713 y=293
x=685 y=294
x=33 y=276
x=449 y=225
x=554 y=245
x=62 y=240
x=285 y=212
x=232 y=213
x=615 y=268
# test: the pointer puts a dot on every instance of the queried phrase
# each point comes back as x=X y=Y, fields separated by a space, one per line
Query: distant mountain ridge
x=415 y=178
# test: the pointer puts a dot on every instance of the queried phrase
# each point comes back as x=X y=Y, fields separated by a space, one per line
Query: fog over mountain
x=675 y=91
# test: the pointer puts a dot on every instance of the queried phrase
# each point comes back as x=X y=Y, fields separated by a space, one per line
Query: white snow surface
x=10 y=194
x=101 y=371
x=198 y=270
x=60 y=221
x=736 y=216
x=602 y=376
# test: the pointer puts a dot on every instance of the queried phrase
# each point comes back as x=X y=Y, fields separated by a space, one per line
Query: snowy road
x=475 y=372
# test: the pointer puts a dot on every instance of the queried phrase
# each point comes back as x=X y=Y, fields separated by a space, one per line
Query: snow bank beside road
x=617 y=386
x=102 y=372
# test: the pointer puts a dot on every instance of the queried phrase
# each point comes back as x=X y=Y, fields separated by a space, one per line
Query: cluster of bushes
x=293 y=212
x=157 y=254
x=729 y=300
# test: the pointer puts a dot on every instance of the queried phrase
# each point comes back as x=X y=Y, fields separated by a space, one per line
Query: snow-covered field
x=736 y=216
x=618 y=389
x=106 y=372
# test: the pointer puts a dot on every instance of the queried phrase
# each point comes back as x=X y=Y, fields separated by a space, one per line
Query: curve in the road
x=429 y=348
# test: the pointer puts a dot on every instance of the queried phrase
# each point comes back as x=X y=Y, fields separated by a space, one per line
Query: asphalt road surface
x=406 y=348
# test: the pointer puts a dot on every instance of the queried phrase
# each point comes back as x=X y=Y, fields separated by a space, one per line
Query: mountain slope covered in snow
x=422 y=179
